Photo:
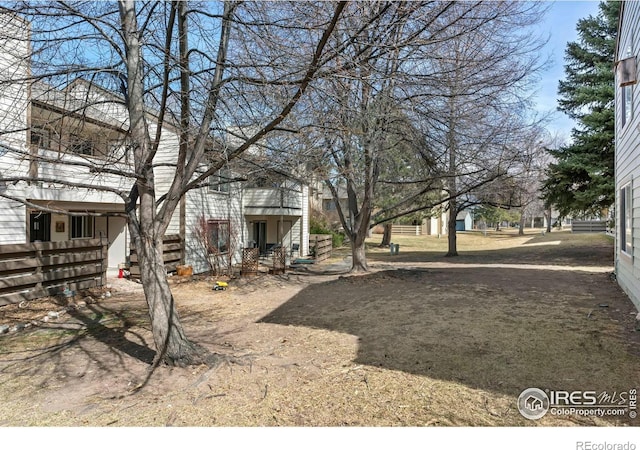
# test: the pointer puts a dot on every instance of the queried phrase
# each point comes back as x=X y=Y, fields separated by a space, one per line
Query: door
x=39 y=227
x=260 y=235
x=117 y=241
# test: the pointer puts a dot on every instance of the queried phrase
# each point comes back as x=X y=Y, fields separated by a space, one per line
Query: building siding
x=202 y=204
x=106 y=114
x=627 y=159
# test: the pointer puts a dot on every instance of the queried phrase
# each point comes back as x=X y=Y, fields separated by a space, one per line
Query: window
x=329 y=205
x=218 y=236
x=81 y=146
x=81 y=227
x=626 y=242
x=219 y=181
x=627 y=101
x=40 y=138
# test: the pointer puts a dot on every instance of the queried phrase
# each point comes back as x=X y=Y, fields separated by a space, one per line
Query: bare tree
x=356 y=118
x=198 y=69
x=477 y=104
x=455 y=71
x=528 y=181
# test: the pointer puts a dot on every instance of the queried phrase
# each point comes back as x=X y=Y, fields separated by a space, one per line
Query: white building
x=627 y=159
x=65 y=151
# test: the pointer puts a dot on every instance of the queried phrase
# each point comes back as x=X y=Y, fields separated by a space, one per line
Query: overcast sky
x=560 y=27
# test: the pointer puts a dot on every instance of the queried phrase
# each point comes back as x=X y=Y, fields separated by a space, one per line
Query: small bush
x=319 y=227
x=337 y=239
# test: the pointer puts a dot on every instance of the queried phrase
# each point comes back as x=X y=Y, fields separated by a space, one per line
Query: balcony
x=59 y=171
x=272 y=202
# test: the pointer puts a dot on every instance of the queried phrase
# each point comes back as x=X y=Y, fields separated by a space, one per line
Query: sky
x=560 y=27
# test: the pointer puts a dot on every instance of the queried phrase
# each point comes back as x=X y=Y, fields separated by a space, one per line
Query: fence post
x=104 y=254
x=39 y=266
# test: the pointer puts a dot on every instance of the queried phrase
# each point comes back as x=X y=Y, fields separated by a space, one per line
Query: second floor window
x=219 y=181
x=40 y=137
x=627 y=100
x=329 y=205
x=81 y=146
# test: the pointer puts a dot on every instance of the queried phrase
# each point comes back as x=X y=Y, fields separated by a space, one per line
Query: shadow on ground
x=550 y=249
x=101 y=336
x=489 y=328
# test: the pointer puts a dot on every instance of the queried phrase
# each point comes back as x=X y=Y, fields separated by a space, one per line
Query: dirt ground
x=420 y=340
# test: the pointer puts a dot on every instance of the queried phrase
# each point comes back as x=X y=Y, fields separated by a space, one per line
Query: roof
x=462 y=215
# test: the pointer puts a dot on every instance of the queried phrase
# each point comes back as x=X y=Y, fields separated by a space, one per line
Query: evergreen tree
x=581 y=181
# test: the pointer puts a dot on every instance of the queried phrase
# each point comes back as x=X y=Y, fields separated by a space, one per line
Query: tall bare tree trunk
x=185 y=111
x=172 y=345
x=451 y=231
x=547 y=215
x=386 y=236
x=358 y=254
x=521 y=224
x=146 y=228
x=452 y=185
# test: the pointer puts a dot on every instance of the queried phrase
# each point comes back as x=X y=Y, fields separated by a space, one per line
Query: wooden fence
x=42 y=269
x=322 y=244
x=172 y=245
x=588 y=226
x=412 y=230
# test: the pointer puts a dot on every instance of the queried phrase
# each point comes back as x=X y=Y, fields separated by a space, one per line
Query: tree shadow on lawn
x=489 y=328
x=550 y=249
x=97 y=336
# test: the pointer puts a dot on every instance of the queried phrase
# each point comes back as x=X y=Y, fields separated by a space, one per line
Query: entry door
x=260 y=235
x=40 y=227
x=117 y=241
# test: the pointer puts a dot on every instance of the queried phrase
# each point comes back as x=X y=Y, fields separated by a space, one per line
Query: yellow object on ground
x=220 y=286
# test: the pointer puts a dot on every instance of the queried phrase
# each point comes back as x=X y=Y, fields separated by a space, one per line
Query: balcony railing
x=273 y=200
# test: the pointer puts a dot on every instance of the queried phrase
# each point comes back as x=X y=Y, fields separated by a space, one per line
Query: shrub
x=320 y=227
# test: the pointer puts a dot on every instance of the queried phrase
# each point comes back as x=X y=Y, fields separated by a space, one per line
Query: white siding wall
x=14 y=65
x=13 y=116
x=13 y=220
x=203 y=204
x=628 y=157
x=166 y=158
x=304 y=244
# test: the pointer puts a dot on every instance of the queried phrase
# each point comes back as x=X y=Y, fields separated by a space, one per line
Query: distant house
x=436 y=223
x=464 y=221
x=627 y=159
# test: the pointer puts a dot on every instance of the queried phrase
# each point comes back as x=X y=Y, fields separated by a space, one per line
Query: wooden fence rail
x=42 y=269
x=322 y=245
x=588 y=226
x=413 y=230
x=172 y=243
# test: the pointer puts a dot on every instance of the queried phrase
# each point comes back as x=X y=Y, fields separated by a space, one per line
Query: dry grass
x=422 y=340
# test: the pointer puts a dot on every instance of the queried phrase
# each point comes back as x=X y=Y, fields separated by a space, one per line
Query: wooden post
x=39 y=266
x=104 y=261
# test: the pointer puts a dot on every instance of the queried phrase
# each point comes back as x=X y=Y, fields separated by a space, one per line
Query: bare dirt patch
x=421 y=340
